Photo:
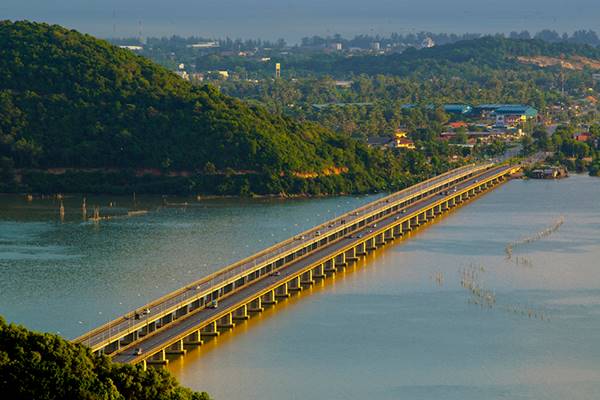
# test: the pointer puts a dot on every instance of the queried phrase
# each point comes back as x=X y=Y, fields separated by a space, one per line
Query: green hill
x=46 y=367
x=114 y=121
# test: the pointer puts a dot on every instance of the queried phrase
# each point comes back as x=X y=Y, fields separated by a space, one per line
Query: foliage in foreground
x=46 y=367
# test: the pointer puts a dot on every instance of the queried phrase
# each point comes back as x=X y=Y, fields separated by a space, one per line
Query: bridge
x=206 y=307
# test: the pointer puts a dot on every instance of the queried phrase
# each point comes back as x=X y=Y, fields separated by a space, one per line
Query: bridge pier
x=176 y=348
x=361 y=249
x=370 y=244
x=406 y=226
x=256 y=305
x=294 y=284
x=112 y=347
x=319 y=271
x=193 y=339
x=329 y=266
x=307 y=278
x=269 y=298
x=159 y=358
x=397 y=230
x=388 y=235
x=340 y=261
x=226 y=321
x=429 y=214
x=128 y=339
x=379 y=240
x=282 y=291
x=182 y=311
x=350 y=255
x=422 y=218
x=241 y=313
x=210 y=329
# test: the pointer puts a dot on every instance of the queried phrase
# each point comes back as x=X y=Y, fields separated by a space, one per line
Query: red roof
x=458 y=124
x=582 y=137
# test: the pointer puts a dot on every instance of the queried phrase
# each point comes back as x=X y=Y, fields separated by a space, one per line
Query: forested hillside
x=46 y=367
x=68 y=100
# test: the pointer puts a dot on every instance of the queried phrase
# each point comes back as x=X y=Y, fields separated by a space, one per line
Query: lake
x=442 y=314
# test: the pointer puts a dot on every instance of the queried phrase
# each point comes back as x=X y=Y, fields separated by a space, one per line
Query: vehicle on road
x=138 y=351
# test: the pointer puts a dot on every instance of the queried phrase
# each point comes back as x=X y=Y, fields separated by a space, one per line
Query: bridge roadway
x=102 y=337
x=157 y=342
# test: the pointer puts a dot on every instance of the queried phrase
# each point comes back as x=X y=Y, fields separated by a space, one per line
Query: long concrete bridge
x=206 y=307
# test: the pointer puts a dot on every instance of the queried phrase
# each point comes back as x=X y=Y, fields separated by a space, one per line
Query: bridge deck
x=182 y=327
x=102 y=335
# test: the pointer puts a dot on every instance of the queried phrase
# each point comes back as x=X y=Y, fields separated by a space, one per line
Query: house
x=582 y=137
x=397 y=141
x=514 y=114
x=458 y=125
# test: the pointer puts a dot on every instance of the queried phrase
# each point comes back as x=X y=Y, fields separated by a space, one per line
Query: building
x=336 y=46
x=132 y=48
x=513 y=114
x=457 y=109
x=397 y=141
x=582 y=137
x=203 y=45
x=427 y=42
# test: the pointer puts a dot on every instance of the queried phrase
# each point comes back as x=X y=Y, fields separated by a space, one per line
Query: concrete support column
x=241 y=313
x=329 y=266
x=370 y=244
x=379 y=240
x=130 y=338
x=255 y=305
x=361 y=249
x=226 y=321
x=158 y=358
x=351 y=255
x=340 y=261
x=181 y=312
x=445 y=206
x=282 y=291
x=112 y=347
x=294 y=284
x=429 y=214
x=193 y=339
x=388 y=235
x=319 y=271
x=269 y=298
x=422 y=218
x=406 y=226
x=176 y=348
x=307 y=278
x=397 y=230
x=210 y=329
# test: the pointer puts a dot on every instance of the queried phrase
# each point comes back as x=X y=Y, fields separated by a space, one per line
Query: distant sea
x=294 y=19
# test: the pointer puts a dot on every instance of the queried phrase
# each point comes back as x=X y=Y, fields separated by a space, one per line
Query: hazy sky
x=293 y=19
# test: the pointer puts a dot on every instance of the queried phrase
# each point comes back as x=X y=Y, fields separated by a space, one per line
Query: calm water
x=70 y=276
x=398 y=326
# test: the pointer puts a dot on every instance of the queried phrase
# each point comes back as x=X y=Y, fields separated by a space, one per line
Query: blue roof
x=457 y=108
x=517 y=110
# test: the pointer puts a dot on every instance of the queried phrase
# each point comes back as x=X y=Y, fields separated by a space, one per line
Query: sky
x=294 y=19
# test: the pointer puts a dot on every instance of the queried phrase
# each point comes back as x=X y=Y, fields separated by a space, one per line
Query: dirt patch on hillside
x=576 y=63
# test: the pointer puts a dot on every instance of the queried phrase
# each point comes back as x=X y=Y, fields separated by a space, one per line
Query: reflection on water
x=397 y=325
